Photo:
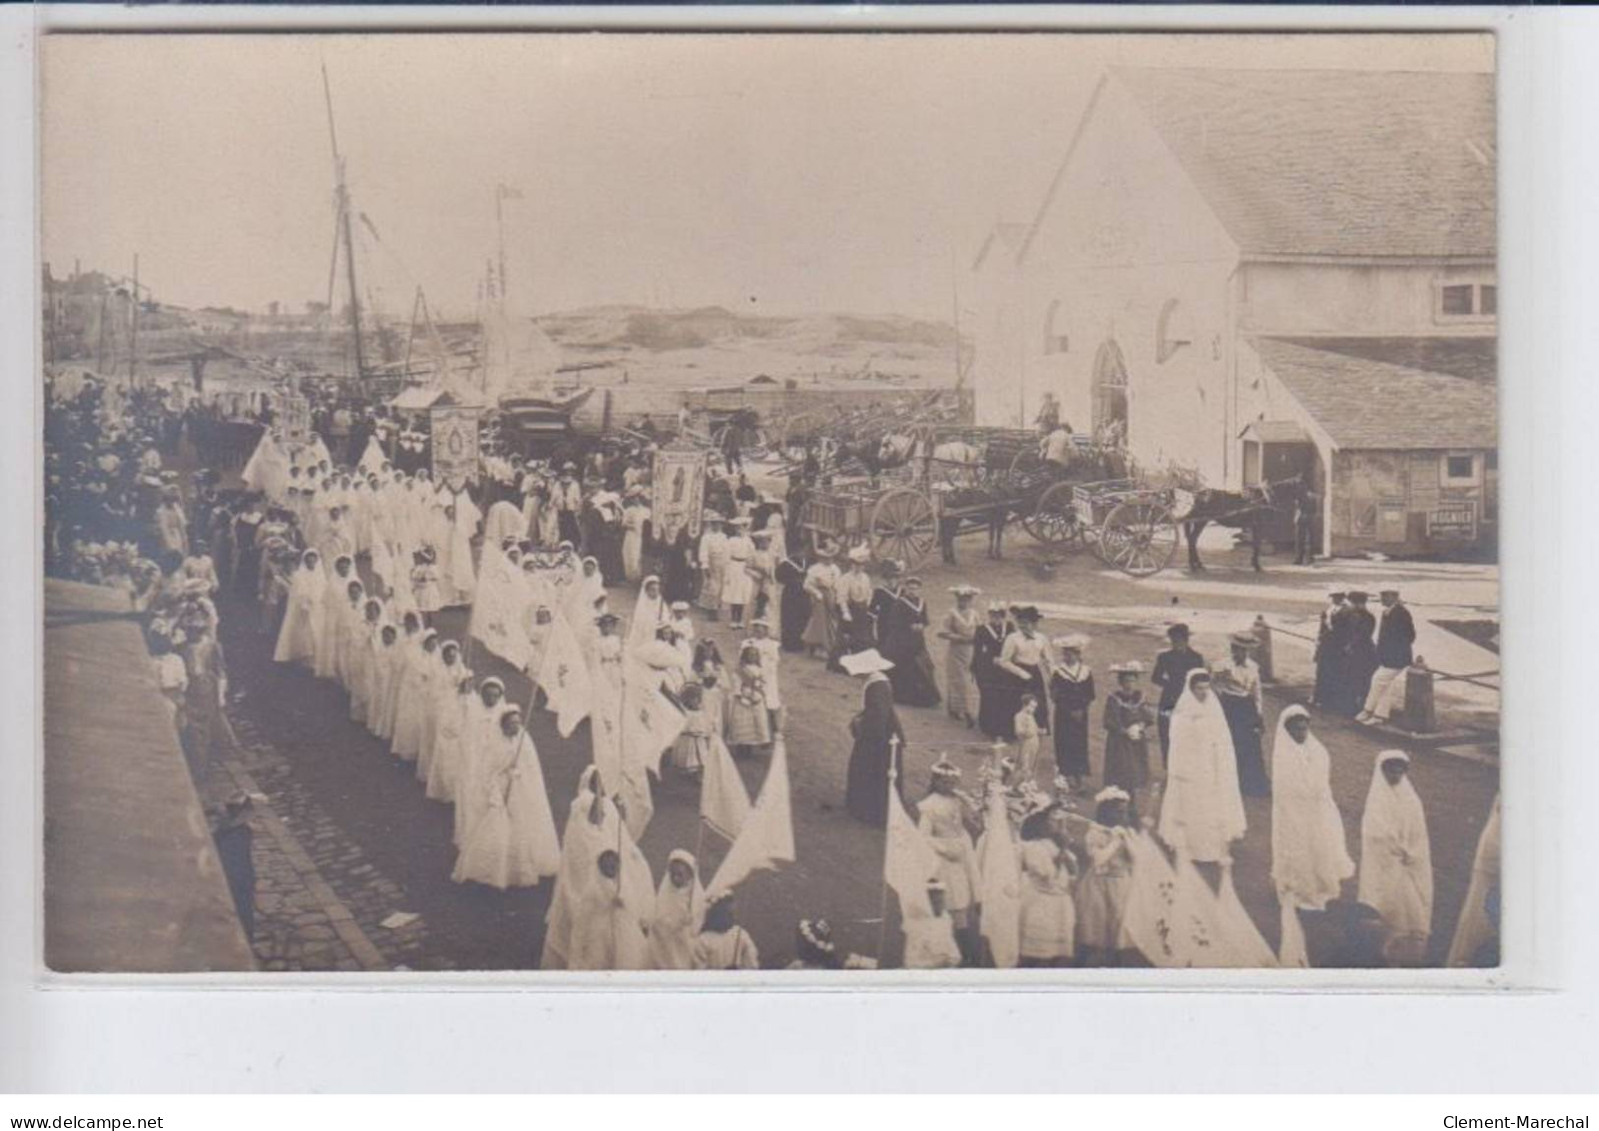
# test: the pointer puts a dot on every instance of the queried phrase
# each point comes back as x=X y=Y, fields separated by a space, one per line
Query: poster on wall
x=455 y=444
x=678 y=491
x=296 y=419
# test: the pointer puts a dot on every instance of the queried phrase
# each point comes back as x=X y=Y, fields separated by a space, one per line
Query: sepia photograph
x=769 y=504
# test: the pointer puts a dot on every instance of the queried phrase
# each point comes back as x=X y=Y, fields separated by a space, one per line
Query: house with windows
x=1247 y=276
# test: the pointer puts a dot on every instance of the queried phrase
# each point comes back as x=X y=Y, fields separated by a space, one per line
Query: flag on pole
x=568 y=689
x=909 y=861
x=1170 y=911
x=767 y=838
x=1239 y=944
x=508 y=192
x=649 y=725
x=724 y=803
x=1000 y=882
x=496 y=611
x=605 y=737
x=638 y=805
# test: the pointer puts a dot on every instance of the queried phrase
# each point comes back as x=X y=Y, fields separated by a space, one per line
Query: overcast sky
x=784 y=174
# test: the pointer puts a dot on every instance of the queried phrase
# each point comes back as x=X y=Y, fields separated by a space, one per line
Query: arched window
x=1172 y=330
x=1056 y=339
x=1109 y=396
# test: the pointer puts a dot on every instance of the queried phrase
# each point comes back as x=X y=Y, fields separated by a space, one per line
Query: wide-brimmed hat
x=1243 y=639
x=944 y=768
x=1074 y=640
x=860 y=554
x=1131 y=667
x=1027 y=613
x=964 y=590
x=865 y=663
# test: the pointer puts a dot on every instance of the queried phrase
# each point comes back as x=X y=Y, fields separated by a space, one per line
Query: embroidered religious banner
x=455 y=443
x=678 y=491
x=296 y=419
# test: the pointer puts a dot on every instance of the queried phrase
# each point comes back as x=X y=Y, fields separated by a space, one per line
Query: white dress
x=414 y=702
x=584 y=840
x=1396 y=856
x=513 y=843
x=299 y=638
x=1048 y=914
x=1309 y=860
x=679 y=914
x=1203 y=811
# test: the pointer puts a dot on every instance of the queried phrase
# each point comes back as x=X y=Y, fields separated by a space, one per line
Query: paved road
x=335 y=767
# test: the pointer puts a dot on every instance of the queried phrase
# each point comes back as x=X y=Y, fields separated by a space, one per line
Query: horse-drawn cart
x=904 y=512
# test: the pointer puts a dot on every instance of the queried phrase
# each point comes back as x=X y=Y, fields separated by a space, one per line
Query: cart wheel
x=1139 y=538
x=904 y=526
x=1055 y=521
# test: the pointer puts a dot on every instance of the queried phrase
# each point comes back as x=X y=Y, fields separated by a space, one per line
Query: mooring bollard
x=1262 y=632
x=1419 y=714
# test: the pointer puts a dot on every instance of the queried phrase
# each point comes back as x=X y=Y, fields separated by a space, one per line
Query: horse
x=1245 y=511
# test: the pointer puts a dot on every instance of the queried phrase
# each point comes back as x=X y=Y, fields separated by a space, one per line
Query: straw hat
x=865 y=663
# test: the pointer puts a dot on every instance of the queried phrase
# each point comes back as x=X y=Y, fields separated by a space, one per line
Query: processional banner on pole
x=455 y=444
x=296 y=419
x=677 y=491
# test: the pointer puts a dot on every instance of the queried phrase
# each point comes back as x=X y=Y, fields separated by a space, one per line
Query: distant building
x=1252 y=274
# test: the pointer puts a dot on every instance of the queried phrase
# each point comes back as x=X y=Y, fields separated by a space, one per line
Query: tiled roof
x=1363 y=401
x=1348 y=163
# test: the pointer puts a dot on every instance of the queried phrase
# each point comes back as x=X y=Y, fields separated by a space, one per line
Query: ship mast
x=342 y=198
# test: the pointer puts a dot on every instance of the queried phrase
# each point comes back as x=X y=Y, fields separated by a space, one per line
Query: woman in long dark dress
x=992 y=717
x=1129 y=718
x=1237 y=686
x=1071 y=686
x=794 y=609
x=874 y=729
x=1023 y=666
x=677 y=568
x=902 y=629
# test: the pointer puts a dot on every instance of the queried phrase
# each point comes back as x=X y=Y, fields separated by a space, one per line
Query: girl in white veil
x=649 y=613
x=300 y=638
x=1396 y=856
x=679 y=914
x=1309 y=861
x=587 y=587
x=513 y=843
x=1203 y=812
x=593 y=824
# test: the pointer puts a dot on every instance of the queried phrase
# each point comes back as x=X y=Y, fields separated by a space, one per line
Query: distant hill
x=710 y=344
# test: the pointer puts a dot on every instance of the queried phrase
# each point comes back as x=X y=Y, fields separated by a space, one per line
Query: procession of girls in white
x=1011 y=876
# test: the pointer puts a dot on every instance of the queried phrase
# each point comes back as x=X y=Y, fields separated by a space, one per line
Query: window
x=1172 y=331
x=1458 y=300
x=1459 y=470
x=1465 y=301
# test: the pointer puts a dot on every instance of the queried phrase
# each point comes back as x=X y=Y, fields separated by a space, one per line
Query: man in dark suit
x=1171 y=676
x=1396 y=636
